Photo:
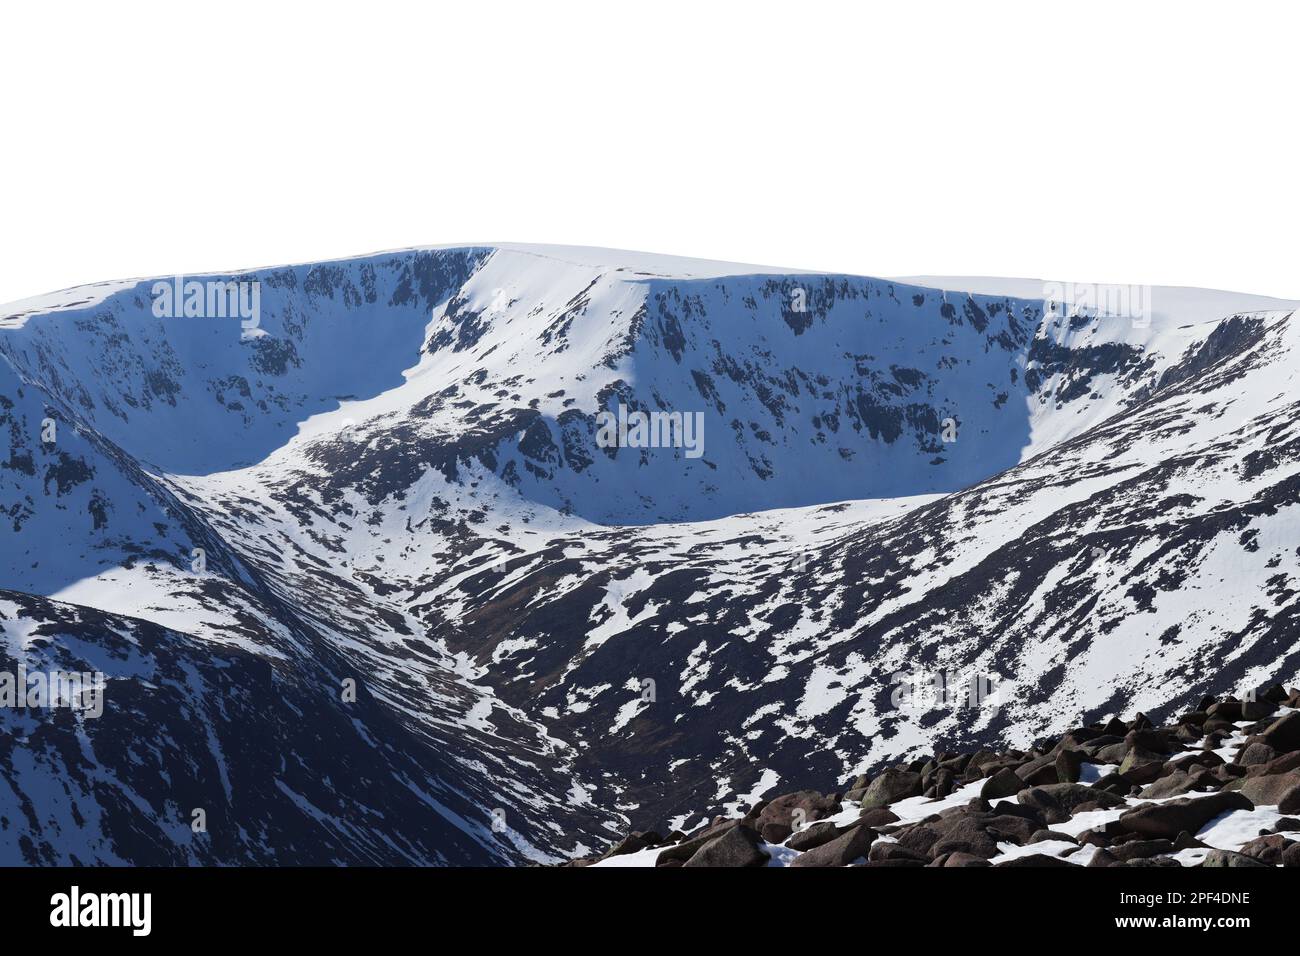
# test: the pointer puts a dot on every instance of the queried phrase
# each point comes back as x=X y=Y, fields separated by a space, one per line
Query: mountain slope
x=398 y=477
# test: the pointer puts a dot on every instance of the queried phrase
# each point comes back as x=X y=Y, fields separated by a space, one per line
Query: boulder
x=1188 y=733
x=683 y=851
x=1095 y=746
x=979 y=760
x=1035 y=859
x=1134 y=849
x=841 y=851
x=1257 y=709
x=1033 y=814
x=969 y=830
x=1283 y=735
x=1058 y=801
x=633 y=843
x=1040 y=770
x=890 y=787
x=1214 y=741
x=738 y=846
x=1111 y=753
x=1116 y=727
x=1229 y=710
x=1267 y=849
x=783 y=814
x=1255 y=753
x=1275 y=693
x=944 y=782
x=1152 y=741
x=1069 y=764
x=1201 y=758
x=1216 y=858
x=1141 y=766
x=1229 y=772
x=877 y=817
x=1012 y=827
x=1172 y=785
x=1152 y=861
x=1185 y=841
x=813 y=836
x=956 y=764
x=971 y=837
x=1189 y=813
x=1282 y=764
x=919 y=839
x=895 y=862
x=1113 y=783
x=1268 y=789
x=881 y=852
x=1005 y=783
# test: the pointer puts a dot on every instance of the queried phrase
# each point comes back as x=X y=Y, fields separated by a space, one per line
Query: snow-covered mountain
x=396 y=480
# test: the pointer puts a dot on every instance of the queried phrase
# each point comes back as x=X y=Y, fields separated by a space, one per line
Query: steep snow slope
x=400 y=472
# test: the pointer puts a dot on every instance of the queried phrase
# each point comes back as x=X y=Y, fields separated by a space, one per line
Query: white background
x=1101 y=142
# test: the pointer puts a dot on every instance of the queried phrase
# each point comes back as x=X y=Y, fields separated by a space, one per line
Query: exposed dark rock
x=633 y=843
x=1171 y=785
x=737 y=846
x=877 y=817
x=1035 y=859
x=1220 y=858
x=1005 y=783
x=1270 y=790
x=813 y=836
x=977 y=831
x=1188 y=813
x=783 y=814
x=881 y=852
x=1058 y=801
x=841 y=851
x=1141 y=766
x=1133 y=849
x=1268 y=849
x=1069 y=764
x=687 y=848
x=1283 y=735
x=890 y=787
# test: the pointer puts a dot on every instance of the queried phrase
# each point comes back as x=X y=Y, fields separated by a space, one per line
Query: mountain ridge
x=402 y=467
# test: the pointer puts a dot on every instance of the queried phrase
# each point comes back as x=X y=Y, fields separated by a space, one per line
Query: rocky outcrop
x=1119 y=793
